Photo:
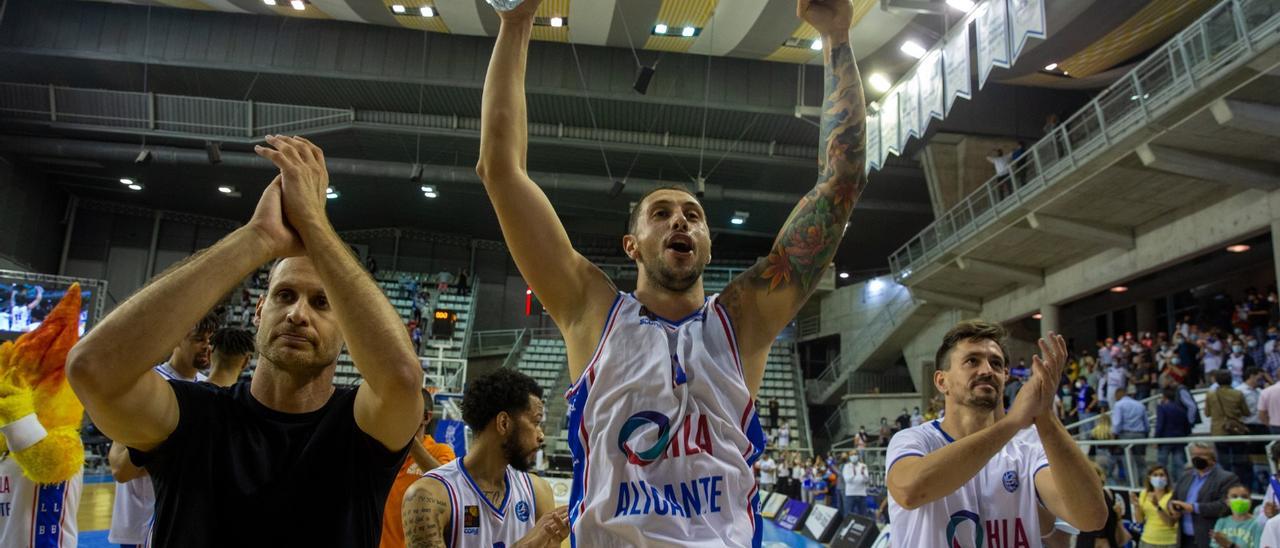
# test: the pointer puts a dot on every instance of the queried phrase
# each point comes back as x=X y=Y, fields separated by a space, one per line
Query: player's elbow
x=83 y=370
x=907 y=494
x=1092 y=516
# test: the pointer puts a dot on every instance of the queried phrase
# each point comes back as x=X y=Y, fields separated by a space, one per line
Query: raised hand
x=305 y=179
x=829 y=17
x=269 y=224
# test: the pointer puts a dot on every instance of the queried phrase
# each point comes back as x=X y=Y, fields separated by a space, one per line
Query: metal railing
x=1082 y=426
x=869 y=338
x=1223 y=38
x=494 y=341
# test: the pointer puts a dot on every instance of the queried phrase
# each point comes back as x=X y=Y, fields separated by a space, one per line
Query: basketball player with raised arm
x=977 y=478
x=662 y=428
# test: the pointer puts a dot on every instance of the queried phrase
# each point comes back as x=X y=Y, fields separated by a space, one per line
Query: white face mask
x=1159 y=482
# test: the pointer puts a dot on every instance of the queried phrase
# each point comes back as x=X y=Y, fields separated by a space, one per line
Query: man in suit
x=1200 y=496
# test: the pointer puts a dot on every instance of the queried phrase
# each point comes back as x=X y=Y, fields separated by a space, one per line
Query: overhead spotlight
x=135 y=186
x=616 y=189
x=642 y=80
x=126 y=181
x=962 y=5
x=427 y=11
x=1119 y=289
x=430 y=191
x=874 y=107
x=226 y=189
x=1238 y=248
x=269 y=2
x=397 y=8
x=659 y=29
x=816 y=44
x=844 y=275
x=213 y=151
x=879 y=82
x=557 y=22
x=700 y=187
x=416 y=174
x=331 y=193
x=1051 y=66
x=688 y=31
x=298 y=5
x=1037 y=316
x=875 y=285
x=912 y=48
x=431 y=195
x=739 y=218
x=144 y=157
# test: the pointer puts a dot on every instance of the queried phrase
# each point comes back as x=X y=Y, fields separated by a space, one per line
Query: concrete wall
x=850 y=309
x=866 y=409
x=955 y=166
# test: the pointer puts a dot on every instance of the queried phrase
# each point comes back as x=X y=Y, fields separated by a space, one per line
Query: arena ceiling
x=736 y=80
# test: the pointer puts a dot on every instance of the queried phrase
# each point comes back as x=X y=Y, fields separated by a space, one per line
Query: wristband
x=23 y=433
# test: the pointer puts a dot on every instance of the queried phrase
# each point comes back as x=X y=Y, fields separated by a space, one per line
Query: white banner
x=909 y=106
x=889 y=126
x=993 y=38
x=955 y=65
x=931 y=94
x=1026 y=20
x=873 y=142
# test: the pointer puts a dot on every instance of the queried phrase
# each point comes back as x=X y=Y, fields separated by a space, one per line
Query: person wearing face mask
x=856 y=478
x=1086 y=402
x=1185 y=353
x=1238 y=530
x=1238 y=361
x=1200 y=496
x=916 y=418
x=1151 y=508
x=1255 y=350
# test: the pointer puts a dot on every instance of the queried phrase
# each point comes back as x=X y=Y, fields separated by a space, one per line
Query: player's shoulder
x=924 y=438
x=431 y=485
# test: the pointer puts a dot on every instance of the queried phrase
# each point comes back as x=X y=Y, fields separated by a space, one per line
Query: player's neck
x=486 y=462
x=223 y=376
x=184 y=368
x=287 y=392
x=963 y=420
x=668 y=304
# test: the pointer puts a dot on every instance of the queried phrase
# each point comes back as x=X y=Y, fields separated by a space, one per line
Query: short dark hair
x=1222 y=377
x=232 y=341
x=208 y=324
x=503 y=390
x=970 y=330
x=637 y=210
x=1171 y=393
x=1251 y=371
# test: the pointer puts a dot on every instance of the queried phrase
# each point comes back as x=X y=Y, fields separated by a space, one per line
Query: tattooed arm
x=425 y=514
x=762 y=300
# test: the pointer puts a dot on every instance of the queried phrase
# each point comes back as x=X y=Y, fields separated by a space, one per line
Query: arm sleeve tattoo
x=421 y=514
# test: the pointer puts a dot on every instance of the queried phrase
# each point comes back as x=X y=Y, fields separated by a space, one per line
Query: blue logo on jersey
x=634 y=422
x=1010 y=481
x=522 y=511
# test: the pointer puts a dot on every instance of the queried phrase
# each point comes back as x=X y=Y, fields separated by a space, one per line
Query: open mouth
x=680 y=244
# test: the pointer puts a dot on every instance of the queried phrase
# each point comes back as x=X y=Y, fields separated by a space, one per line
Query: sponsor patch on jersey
x=1010 y=481
x=522 y=511
x=471 y=520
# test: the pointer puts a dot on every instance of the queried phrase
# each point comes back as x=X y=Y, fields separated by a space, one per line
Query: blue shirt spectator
x=1172 y=420
x=1129 y=416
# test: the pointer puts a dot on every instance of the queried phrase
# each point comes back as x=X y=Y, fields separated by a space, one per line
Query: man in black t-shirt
x=286 y=459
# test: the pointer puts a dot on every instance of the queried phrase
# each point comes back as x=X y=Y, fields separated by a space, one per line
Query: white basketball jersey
x=34 y=515
x=995 y=509
x=664 y=433
x=474 y=521
x=20 y=318
x=135 y=501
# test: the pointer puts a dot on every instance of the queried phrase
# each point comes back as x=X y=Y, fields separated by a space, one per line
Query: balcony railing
x=1223 y=38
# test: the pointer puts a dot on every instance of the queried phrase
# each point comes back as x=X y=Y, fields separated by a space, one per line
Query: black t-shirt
x=236 y=473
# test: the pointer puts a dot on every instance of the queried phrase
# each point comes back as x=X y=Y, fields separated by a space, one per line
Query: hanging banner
x=873 y=142
x=909 y=106
x=993 y=38
x=1026 y=20
x=931 y=95
x=955 y=67
x=889 y=125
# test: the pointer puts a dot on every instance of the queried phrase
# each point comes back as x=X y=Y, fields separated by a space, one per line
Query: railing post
x=1035 y=162
x=1102 y=123
x=1237 y=16
x=1129 y=470
x=1137 y=92
x=53 y=105
x=151 y=110
x=248 y=123
x=1066 y=145
x=1186 y=61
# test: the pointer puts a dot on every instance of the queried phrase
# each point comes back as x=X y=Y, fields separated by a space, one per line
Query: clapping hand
x=829 y=17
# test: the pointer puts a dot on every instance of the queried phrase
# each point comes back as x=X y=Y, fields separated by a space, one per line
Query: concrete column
x=1275 y=245
x=1146 y=309
x=1049 y=320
